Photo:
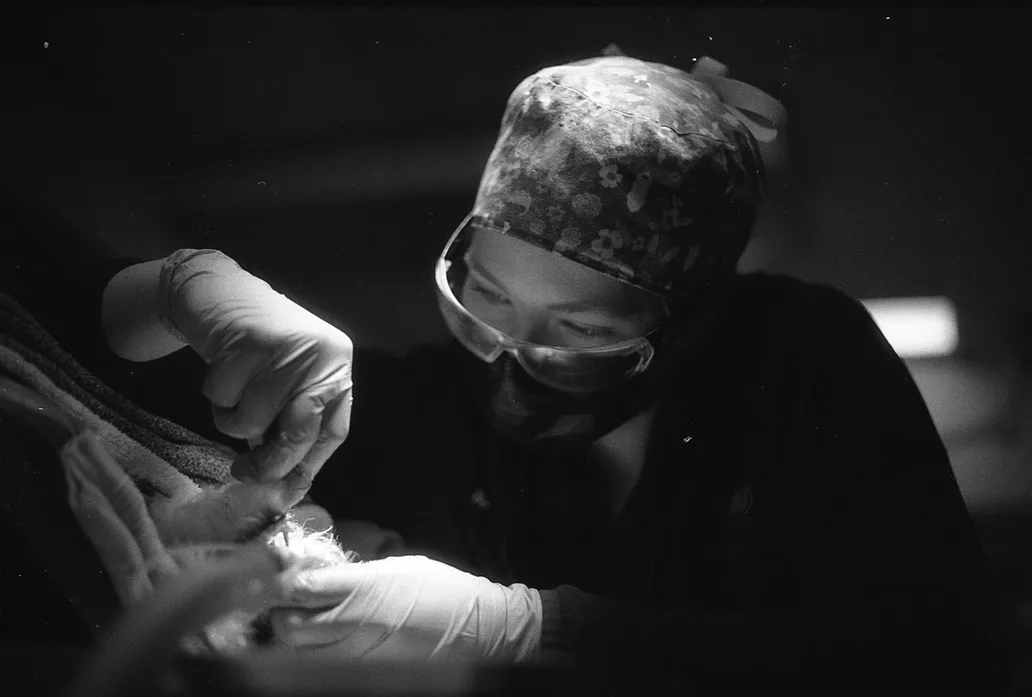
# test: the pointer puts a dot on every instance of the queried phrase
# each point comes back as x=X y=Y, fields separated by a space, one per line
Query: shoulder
x=808 y=318
x=783 y=341
x=794 y=300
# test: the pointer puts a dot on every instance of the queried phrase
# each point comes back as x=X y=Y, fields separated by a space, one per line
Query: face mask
x=524 y=411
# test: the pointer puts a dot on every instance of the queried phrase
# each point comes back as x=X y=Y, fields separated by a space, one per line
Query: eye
x=491 y=295
x=589 y=332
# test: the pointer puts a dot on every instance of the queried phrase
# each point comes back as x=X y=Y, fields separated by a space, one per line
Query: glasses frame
x=525 y=352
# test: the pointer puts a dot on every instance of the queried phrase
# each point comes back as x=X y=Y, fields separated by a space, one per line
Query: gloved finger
x=300 y=424
x=229 y=374
x=256 y=411
x=309 y=628
x=336 y=422
x=324 y=587
x=257 y=407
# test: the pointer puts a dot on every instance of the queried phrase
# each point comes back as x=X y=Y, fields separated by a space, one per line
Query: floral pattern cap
x=635 y=169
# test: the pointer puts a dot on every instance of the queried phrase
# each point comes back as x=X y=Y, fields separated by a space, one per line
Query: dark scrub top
x=797 y=523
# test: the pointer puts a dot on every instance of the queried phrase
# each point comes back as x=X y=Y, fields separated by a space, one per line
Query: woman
x=631 y=456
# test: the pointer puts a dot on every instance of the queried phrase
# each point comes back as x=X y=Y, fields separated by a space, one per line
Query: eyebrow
x=573 y=306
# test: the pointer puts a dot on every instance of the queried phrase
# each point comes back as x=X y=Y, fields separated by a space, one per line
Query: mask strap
x=740 y=97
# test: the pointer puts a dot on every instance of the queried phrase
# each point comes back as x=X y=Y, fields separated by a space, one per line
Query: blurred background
x=332 y=151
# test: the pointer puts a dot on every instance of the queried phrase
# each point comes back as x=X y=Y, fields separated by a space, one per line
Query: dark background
x=332 y=151
x=337 y=147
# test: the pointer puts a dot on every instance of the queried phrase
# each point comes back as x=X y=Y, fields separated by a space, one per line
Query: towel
x=31 y=353
x=185 y=477
x=153 y=498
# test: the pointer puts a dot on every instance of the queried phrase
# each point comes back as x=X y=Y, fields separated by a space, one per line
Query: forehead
x=508 y=258
x=532 y=271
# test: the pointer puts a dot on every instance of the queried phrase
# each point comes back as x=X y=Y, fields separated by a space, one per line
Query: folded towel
x=34 y=354
x=184 y=477
x=149 y=471
x=152 y=497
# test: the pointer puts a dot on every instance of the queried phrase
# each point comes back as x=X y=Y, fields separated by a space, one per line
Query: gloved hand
x=269 y=360
x=408 y=607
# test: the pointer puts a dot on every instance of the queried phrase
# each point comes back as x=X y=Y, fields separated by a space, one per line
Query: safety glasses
x=562 y=368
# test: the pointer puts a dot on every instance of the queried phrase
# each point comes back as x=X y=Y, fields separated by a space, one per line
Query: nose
x=533 y=328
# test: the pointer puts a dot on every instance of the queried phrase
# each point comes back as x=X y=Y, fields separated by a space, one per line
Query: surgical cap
x=637 y=170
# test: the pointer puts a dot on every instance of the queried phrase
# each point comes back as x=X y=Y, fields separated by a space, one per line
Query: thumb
x=324 y=587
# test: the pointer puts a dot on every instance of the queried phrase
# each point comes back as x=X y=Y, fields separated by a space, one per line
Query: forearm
x=129 y=314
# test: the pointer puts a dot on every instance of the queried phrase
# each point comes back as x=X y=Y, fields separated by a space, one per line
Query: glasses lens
x=584 y=372
x=574 y=370
x=471 y=333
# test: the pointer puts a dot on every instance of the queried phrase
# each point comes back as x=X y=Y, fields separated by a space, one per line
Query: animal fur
x=194 y=529
x=242 y=629
x=216 y=522
x=157 y=502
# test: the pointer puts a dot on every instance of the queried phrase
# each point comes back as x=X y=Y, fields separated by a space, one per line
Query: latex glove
x=269 y=361
x=367 y=539
x=409 y=607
